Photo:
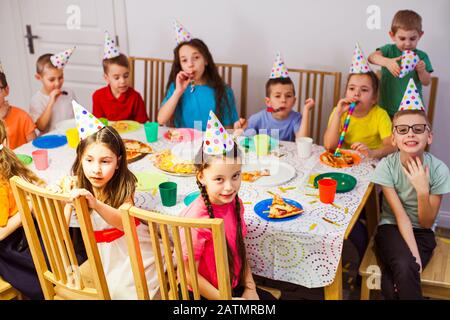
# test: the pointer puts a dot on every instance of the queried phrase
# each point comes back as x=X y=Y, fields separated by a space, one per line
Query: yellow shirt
x=370 y=129
x=8 y=206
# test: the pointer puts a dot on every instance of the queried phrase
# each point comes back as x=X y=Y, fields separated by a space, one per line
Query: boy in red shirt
x=117 y=101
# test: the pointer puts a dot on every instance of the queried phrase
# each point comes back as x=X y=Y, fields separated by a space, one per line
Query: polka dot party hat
x=359 y=61
x=411 y=99
x=182 y=35
x=216 y=140
x=110 y=49
x=87 y=124
x=59 y=60
x=408 y=62
x=279 y=69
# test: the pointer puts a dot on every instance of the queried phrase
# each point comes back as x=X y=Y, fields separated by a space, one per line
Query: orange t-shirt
x=18 y=125
x=8 y=206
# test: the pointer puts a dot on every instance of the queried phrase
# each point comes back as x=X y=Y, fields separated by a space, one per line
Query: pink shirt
x=202 y=238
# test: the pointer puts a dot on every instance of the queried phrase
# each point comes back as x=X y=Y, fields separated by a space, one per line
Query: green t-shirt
x=389 y=173
x=392 y=89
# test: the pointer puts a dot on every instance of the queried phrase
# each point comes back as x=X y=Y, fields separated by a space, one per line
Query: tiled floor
x=351 y=287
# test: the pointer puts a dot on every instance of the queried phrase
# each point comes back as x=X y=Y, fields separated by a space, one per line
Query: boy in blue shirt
x=278 y=115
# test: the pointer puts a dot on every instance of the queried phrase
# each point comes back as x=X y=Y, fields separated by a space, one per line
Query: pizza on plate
x=252 y=176
x=120 y=126
x=174 y=135
x=280 y=209
x=166 y=161
x=136 y=149
x=344 y=160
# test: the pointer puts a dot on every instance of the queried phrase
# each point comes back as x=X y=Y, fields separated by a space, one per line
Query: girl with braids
x=105 y=180
x=219 y=179
x=194 y=67
x=16 y=264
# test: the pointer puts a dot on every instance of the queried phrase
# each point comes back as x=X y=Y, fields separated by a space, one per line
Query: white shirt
x=62 y=109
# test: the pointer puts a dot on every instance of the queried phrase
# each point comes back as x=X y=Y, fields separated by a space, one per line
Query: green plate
x=26 y=159
x=148 y=181
x=345 y=182
x=248 y=143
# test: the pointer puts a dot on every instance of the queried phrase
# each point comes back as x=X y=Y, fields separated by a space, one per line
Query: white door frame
x=121 y=30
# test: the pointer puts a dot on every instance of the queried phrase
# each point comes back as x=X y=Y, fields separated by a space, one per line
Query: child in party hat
x=413 y=182
x=104 y=179
x=278 y=114
x=369 y=128
x=53 y=102
x=195 y=88
x=117 y=101
x=20 y=126
x=218 y=166
x=401 y=61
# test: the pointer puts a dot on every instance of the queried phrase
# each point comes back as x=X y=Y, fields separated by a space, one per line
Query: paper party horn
x=337 y=152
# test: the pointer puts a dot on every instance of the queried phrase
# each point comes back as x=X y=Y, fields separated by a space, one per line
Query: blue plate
x=49 y=141
x=264 y=205
x=248 y=143
x=191 y=197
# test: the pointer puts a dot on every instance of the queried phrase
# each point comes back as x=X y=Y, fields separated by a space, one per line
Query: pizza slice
x=174 y=135
x=252 y=176
x=280 y=209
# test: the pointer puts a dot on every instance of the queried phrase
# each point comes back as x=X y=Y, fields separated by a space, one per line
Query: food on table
x=166 y=161
x=121 y=126
x=65 y=185
x=136 y=149
x=280 y=209
x=174 y=135
x=342 y=161
x=252 y=176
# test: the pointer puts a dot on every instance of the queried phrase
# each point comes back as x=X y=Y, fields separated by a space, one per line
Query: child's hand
x=362 y=148
x=309 y=105
x=343 y=105
x=91 y=201
x=392 y=66
x=240 y=124
x=417 y=175
x=420 y=66
x=182 y=81
x=237 y=298
x=250 y=294
x=54 y=95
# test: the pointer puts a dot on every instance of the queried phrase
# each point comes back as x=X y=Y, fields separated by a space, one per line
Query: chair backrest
x=150 y=75
x=427 y=91
x=324 y=87
x=167 y=248
x=59 y=277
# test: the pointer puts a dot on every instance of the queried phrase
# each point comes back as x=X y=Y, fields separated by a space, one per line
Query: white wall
x=311 y=34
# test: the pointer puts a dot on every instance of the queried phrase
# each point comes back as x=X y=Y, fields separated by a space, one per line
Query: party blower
x=337 y=152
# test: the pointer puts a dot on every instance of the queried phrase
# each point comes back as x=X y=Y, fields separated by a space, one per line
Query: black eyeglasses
x=416 y=128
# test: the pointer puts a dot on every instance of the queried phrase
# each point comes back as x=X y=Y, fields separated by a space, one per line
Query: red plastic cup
x=327 y=190
x=40 y=159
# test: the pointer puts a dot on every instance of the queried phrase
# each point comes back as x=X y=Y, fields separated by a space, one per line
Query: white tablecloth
x=304 y=251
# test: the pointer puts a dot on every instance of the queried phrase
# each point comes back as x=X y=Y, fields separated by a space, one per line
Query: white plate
x=63 y=125
x=280 y=172
x=187 y=151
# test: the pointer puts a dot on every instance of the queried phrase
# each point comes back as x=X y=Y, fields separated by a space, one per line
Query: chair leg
x=365 y=291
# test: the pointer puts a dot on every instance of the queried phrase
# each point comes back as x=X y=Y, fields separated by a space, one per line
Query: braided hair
x=202 y=164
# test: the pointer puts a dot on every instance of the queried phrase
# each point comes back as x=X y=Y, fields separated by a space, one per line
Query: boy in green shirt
x=406 y=31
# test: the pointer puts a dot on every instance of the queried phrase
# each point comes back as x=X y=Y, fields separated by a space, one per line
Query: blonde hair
x=407 y=20
x=11 y=166
x=122 y=185
x=421 y=113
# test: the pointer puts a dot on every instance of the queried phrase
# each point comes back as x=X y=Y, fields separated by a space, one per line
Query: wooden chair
x=152 y=75
x=427 y=91
x=60 y=279
x=435 y=278
x=160 y=226
x=312 y=84
x=7 y=292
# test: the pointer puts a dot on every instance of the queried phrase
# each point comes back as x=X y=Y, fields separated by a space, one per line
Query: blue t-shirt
x=264 y=120
x=195 y=106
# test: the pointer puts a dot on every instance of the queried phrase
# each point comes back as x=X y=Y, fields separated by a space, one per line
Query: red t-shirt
x=202 y=238
x=18 y=125
x=129 y=105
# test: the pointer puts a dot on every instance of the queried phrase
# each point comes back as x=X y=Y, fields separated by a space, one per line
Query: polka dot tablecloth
x=305 y=251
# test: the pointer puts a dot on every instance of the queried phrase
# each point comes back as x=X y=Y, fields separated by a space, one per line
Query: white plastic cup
x=304 y=147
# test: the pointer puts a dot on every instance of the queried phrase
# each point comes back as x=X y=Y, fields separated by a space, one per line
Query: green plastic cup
x=104 y=121
x=262 y=144
x=151 y=131
x=168 y=192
